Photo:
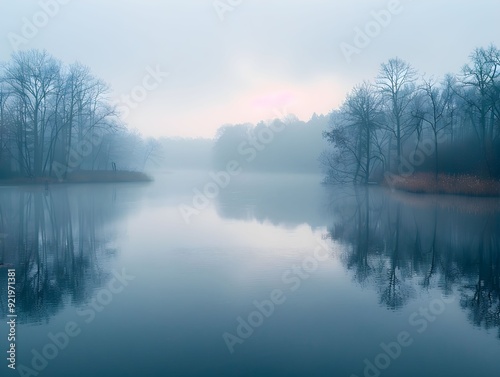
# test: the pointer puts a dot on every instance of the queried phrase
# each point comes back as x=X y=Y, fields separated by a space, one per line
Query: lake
x=276 y=275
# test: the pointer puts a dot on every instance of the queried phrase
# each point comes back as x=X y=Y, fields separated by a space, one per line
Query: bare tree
x=48 y=112
x=396 y=83
x=354 y=138
x=433 y=113
x=4 y=95
x=480 y=81
x=32 y=78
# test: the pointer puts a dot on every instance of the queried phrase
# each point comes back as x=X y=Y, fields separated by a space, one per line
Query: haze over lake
x=381 y=259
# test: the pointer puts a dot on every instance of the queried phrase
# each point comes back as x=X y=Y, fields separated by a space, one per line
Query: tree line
x=279 y=145
x=403 y=123
x=56 y=118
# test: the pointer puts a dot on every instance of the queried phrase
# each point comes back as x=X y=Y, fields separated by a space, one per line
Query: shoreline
x=81 y=177
x=446 y=184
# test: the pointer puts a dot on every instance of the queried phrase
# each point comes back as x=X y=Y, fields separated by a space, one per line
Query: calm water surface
x=277 y=276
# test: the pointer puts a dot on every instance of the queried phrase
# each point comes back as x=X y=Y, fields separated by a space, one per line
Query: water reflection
x=59 y=242
x=402 y=243
x=283 y=199
x=399 y=244
x=194 y=280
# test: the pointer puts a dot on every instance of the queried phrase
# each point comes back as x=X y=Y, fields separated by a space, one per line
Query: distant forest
x=403 y=123
x=292 y=147
x=281 y=145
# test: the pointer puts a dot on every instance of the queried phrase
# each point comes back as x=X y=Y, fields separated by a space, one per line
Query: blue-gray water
x=351 y=272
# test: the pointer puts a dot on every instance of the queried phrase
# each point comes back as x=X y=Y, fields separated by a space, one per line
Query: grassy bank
x=426 y=183
x=95 y=176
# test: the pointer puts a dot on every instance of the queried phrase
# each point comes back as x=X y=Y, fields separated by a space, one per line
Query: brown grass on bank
x=426 y=183
x=84 y=176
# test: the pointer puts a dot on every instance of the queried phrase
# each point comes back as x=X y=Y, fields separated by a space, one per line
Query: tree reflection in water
x=60 y=245
x=403 y=243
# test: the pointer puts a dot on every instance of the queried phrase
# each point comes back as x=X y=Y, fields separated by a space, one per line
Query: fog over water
x=382 y=257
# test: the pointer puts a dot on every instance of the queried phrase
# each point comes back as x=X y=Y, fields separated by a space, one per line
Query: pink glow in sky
x=274 y=100
x=203 y=118
x=266 y=57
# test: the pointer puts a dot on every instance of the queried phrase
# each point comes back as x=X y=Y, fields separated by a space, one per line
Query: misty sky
x=264 y=58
